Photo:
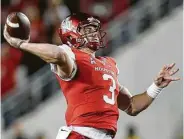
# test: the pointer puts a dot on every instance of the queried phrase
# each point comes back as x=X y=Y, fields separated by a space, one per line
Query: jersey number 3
x=111 y=89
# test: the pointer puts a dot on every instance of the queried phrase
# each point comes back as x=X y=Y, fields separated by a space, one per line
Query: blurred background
x=143 y=35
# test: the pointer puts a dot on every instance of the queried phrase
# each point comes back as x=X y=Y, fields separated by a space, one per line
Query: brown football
x=18 y=25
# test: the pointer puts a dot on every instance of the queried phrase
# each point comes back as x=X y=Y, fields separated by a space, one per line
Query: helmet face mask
x=81 y=31
x=92 y=35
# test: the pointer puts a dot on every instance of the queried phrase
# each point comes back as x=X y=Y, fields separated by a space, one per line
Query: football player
x=89 y=83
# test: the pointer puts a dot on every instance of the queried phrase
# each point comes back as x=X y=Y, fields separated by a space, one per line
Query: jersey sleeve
x=71 y=55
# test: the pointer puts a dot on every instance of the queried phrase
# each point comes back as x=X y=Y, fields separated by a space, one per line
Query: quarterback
x=89 y=83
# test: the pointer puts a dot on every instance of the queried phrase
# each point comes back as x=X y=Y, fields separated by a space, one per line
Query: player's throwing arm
x=48 y=52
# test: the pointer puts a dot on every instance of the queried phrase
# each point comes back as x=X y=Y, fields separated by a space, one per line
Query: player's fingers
x=7 y=37
x=164 y=67
x=171 y=66
x=175 y=79
x=6 y=34
x=161 y=72
x=174 y=71
x=172 y=78
x=5 y=27
x=5 y=30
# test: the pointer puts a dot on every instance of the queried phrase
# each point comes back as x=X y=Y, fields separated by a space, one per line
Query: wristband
x=154 y=90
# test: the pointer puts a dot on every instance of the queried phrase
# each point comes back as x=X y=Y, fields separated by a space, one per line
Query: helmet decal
x=67 y=25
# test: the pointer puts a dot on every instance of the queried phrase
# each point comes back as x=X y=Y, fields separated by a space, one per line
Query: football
x=18 y=25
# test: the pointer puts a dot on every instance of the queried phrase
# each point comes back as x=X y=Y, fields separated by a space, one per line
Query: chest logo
x=92 y=61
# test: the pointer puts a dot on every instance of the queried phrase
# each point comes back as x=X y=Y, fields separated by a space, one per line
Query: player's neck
x=88 y=51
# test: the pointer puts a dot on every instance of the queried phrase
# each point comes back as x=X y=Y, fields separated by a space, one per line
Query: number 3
x=111 y=89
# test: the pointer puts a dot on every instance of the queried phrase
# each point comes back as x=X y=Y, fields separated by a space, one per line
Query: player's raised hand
x=15 y=42
x=165 y=76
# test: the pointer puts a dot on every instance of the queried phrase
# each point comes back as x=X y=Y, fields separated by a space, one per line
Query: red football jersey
x=92 y=94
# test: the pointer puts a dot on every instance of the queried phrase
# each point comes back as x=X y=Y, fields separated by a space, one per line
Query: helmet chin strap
x=87 y=44
x=92 y=45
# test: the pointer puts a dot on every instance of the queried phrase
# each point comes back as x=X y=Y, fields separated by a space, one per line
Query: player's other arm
x=136 y=104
